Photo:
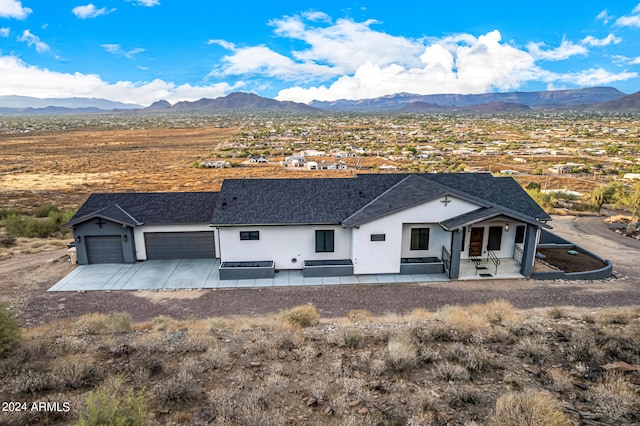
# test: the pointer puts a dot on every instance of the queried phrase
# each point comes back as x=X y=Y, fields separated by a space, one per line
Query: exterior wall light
x=125 y=238
x=79 y=239
x=506 y=227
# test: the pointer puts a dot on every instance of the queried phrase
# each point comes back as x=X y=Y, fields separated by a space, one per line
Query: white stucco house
x=368 y=224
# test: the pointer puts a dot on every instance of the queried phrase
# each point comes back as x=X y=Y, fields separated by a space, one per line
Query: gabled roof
x=410 y=191
x=137 y=208
x=485 y=213
x=352 y=201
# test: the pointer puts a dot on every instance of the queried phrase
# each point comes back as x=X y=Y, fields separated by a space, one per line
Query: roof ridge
x=137 y=222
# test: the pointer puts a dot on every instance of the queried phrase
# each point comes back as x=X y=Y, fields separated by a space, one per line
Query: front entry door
x=475 y=242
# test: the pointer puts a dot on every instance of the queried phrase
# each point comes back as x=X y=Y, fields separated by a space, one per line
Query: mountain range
x=588 y=99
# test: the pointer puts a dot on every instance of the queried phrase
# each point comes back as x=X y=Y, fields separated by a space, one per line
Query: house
x=368 y=224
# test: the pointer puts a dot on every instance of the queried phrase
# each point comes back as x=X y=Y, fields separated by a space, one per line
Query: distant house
x=295 y=161
x=216 y=164
x=258 y=159
x=368 y=224
x=331 y=165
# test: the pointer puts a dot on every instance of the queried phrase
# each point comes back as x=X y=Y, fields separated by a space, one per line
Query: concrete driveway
x=201 y=273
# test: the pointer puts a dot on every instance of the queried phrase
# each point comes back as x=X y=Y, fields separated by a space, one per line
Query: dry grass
x=301 y=316
x=264 y=370
x=402 y=353
x=529 y=409
x=615 y=398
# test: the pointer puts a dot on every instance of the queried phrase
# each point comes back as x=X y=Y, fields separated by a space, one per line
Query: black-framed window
x=520 y=234
x=464 y=235
x=378 y=237
x=495 y=238
x=324 y=241
x=249 y=235
x=419 y=238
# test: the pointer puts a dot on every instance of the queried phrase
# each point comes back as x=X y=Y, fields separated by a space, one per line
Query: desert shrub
x=45 y=210
x=4 y=213
x=622 y=344
x=302 y=316
x=582 y=348
x=463 y=395
x=7 y=241
x=615 y=398
x=533 y=349
x=112 y=405
x=37 y=227
x=100 y=323
x=352 y=338
x=9 y=329
x=556 y=312
x=472 y=357
x=359 y=315
x=529 y=409
x=495 y=311
x=449 y=371
x=76 y=373
x=401 y=353
x=179 y=389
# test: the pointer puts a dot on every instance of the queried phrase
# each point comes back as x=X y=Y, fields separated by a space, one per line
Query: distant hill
x=541 y=99
x=626 y=103
x=486 y=107
x=238 y=101
x=23 y=102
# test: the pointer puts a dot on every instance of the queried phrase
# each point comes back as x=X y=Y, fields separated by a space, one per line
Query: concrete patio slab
x=203 y=273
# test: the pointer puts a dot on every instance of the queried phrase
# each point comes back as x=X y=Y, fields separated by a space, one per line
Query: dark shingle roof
x=357 y=200
x=136 y=208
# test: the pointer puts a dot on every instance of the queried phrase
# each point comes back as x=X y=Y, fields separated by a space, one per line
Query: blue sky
x=140 y=51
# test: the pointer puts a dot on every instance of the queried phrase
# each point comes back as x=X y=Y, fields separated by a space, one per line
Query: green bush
x=37 y=227
x=9 y=329
x=45 y=210
x=110 y=405
x=4 y=213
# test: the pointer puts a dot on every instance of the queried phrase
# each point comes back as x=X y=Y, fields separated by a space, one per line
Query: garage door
x=179 y=245
x=104 y=249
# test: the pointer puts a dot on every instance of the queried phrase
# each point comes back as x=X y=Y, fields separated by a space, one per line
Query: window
x=464 y=235
x=378 y=237
x=324 y=241
x=249 y=235
x=495 y=238
x=520 y=234
x=419 y=238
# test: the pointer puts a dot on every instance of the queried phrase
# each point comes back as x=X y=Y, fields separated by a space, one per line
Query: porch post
x=529 y=250
x=456 y=248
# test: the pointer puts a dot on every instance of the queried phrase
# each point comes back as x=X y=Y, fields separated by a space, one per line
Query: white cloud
x=33 y=40
x=632 y=20
x=594 y=77
x=562 y=52
x=4 y=32
x=625 y=60
x=604 y=16
x=27 y=80
x=223 y=43
x=116 y=49
x=346 y=44
x=264 y=61
x=147 y=3
x=13 y=9
x=90 y=11
x=477 y=65
x=592 y=41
